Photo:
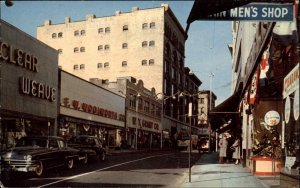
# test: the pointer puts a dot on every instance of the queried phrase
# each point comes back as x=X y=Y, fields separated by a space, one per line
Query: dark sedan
x=85 y=142
x=36 y=154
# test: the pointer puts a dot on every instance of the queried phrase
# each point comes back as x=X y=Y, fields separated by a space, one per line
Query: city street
x=141 y=169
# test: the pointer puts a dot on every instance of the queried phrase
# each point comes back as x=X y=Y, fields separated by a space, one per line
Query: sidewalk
x=206 y=173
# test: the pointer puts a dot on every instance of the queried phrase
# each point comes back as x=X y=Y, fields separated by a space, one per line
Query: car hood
x=22 y=151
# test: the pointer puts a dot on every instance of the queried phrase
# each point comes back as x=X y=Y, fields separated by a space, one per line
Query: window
x=144 y=44
x=99 y=65
x=152 y=111
x=201 y=100
x=140 y=104
x=60 y=35
x=152 y=25
x=82 y=66
x=124 y=45
x=76 y=33
x=107 y=30
x=145 y=26
x=125 y=28
x=100 y=47
x=106 y=47
x=144 y=62
x=82 y=32
x=106 y=65
x=59 y=51
x=124 y=63
x=53 y=35
x=82 y=49
x=75 y=67
x=151 y=62
x=147 y=106
x=100 y=30
x=132 y=100
x=76 y=50
x=152 y=43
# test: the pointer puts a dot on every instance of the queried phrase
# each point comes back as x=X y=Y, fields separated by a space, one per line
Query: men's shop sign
x=22 y=59
x=257 y=12
x=92 y=109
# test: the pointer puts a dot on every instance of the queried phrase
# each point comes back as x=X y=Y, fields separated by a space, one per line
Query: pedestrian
x=237 y=153
x=223 y=148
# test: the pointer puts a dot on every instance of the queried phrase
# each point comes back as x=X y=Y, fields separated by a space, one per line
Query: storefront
x=291 y=162
x=143 y=131
x=28 y=85
x=87 y=109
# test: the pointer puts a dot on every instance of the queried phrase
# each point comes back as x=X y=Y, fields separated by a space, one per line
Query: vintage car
x=38 y=153
x=85 y=142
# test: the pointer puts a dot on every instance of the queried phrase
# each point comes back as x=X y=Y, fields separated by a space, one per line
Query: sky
x=206 y=48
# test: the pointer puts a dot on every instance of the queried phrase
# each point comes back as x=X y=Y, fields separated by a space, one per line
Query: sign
x=272 y=118
x=257 y=12
x=291 y=82
x=296 y=105
x=287 y=109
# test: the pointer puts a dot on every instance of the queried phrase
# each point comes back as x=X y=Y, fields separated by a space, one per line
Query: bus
x=183 y=140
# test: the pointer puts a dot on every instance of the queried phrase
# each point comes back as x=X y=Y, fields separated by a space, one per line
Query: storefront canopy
x=203 y=8
x=225 y=112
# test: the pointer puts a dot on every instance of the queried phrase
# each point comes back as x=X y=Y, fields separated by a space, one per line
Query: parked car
x=36 y=154
x=85 y=142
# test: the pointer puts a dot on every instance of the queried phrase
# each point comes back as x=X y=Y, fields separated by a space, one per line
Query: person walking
x=223 y=148
x=237 y=153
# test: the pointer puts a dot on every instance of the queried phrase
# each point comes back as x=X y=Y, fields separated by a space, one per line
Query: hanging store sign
x=291 y=82
x=272 y=118
x=256 y=12
x=287 y=110
x=296 y=105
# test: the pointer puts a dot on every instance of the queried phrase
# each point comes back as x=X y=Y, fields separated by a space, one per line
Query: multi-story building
x=147 y=44
x=143 y=113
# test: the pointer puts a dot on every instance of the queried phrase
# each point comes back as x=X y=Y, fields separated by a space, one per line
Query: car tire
x=102 y=156
x=70 y=163
x=39 y=171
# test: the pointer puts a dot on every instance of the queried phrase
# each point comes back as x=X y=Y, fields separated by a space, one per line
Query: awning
x=203 y=8
x=226 y=111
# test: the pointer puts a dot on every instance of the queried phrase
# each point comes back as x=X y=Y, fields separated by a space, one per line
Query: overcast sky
x=206 y=48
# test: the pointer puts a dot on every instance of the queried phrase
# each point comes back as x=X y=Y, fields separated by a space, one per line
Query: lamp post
x=190 y=138
x=211 y=75
x=137 y=119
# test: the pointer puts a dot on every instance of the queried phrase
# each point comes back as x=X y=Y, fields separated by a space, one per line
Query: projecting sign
x=257 y=12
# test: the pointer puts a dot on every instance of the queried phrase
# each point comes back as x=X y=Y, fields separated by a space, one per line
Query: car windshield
x=35 y=142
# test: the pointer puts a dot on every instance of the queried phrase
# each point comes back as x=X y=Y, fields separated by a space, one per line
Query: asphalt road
x=142 y=169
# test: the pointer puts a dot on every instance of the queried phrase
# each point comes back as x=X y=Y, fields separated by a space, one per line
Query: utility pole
x=211 y=75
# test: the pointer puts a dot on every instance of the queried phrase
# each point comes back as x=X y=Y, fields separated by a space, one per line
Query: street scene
x=200 y=93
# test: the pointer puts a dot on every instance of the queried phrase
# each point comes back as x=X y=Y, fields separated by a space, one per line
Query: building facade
x=143 y=128
x=87 y=109
x=147 y=44
x=28 y=85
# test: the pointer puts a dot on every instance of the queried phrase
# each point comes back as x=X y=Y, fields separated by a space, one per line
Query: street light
x=211 y=75
x=137 y=119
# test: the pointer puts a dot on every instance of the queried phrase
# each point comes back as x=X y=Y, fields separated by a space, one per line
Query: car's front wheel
x=39 y=170
x=70 y=163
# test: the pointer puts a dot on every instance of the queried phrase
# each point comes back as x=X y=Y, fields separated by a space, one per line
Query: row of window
x=104 y=30
x=106 y=64
x=144 y=105
x=107 y=47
